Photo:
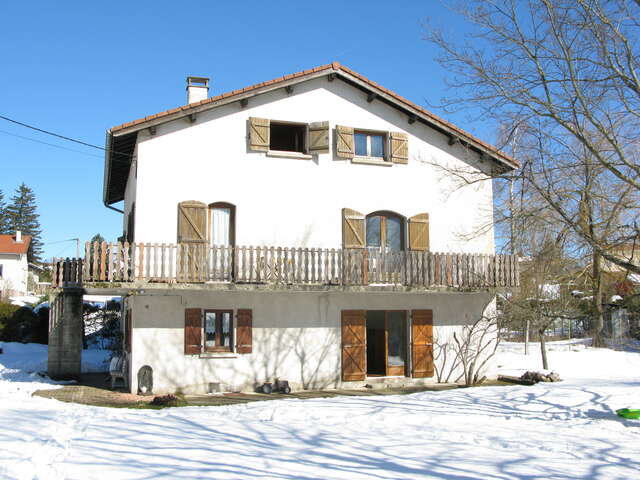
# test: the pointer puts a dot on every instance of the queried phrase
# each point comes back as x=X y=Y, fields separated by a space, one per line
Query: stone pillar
x=65 y=334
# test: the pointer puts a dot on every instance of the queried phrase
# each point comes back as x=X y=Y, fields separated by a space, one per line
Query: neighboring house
x=289 y=230
x=14 y=269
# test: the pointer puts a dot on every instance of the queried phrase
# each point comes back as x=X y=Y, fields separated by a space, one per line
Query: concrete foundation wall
x=296 y=335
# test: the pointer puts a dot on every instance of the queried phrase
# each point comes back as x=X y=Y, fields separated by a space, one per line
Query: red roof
x=335 y=67
x=8 y=244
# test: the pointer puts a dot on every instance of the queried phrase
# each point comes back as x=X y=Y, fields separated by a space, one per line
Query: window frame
x=384 y=214
x=218 y=332
x=369 y=133
x=290 y=153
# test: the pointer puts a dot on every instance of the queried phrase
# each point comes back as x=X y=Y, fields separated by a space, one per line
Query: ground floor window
x=218 y=330
x=386 y=342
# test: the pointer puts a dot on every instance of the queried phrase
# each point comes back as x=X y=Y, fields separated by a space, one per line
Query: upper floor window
x=288 y=137
x=385 y=230
x=369 y=145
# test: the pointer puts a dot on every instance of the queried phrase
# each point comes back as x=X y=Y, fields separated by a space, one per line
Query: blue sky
x=78 y=68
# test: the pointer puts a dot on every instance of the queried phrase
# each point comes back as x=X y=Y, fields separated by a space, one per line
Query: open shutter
x=399 y=147
x=192 y=331
x=354 y=347
x=128 y=331
x=344 y=142
x=422 y=343
x=419 y=232
x=244 y=331
x=192 y=241
x=353 y=235
x=319 y=137
x=259 y=134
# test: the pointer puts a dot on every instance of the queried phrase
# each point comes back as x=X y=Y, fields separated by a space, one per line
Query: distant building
x=14 y=269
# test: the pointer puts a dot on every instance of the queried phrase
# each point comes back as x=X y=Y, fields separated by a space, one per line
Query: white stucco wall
x=296 y=202
x=14 y=274
x=296 y=335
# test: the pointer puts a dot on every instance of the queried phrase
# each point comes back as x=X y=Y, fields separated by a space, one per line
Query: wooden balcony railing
x=195 y=263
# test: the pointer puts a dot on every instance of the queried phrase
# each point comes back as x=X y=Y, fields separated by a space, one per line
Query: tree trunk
x=598 y=318
x=543 y=350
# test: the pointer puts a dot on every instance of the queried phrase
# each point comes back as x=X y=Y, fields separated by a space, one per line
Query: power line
x=49 y=144
x=63 y=137
x=51 y=133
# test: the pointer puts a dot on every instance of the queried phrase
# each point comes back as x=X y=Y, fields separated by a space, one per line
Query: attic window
x=287 y=137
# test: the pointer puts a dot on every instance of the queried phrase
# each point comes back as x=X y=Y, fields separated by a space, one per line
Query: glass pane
x=377 y=146
x=220 y=222
x=210 y=329
x=394 y=233
x=373 y=231
x=361 y=144
x=396 y=343
x=226 y=328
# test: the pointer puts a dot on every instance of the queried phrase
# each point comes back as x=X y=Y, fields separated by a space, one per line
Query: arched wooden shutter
x=259 y=134
x=192 y=331
x=345 y=147
x=244 y=331
x=319 y=137
x=353 y=229
x=399 y=147
x=354 y=347
x=192 y=241
x=422 y=343
x=419 y=232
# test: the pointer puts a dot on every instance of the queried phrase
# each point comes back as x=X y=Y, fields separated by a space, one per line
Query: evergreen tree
x=22 y=215
x=4 y=220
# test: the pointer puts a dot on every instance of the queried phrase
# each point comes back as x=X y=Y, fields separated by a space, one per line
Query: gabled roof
x=121 y=139
x=8 y=244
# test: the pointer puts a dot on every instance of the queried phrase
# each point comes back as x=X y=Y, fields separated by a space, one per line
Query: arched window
x=385 y=230
x=222 y=224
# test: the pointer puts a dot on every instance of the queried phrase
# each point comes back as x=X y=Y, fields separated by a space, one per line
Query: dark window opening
x=288 y=138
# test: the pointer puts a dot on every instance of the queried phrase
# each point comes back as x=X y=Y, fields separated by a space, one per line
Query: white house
x=14 y=269
x=290 y=230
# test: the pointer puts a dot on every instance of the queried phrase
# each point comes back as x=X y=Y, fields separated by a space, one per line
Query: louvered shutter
x=344 y=142
x=244 y=331
x=354 y=347
x=422 y=343
x=399 y=147
x=192 y=331
x=419 y=232
x=259 y=134
x=353 y=233
x=319 y=137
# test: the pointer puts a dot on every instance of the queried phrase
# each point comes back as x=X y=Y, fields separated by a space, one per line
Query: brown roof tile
x=8 y=244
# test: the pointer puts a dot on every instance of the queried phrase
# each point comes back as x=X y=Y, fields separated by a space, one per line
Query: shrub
x=6 y=312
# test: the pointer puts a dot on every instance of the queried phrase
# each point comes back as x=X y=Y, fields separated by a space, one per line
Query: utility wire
x=63 y=137
x=49 y=144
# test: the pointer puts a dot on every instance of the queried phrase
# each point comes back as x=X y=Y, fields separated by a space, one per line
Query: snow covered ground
x=563 y=430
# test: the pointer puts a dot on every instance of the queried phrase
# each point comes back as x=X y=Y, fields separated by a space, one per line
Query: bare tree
x=474 y=346
x=561 y=75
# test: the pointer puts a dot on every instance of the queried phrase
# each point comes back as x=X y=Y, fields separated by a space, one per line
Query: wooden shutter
x=354 y=347
x=244 y=331
x=192 y=222
x=319 y=137
x=344 y=142
x=422 y=343
x=192 y=331
x=399 y=147
x=419 y=232
x=259 y=134
x=353 y=233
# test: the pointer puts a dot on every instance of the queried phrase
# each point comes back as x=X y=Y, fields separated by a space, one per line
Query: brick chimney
x=197 y=89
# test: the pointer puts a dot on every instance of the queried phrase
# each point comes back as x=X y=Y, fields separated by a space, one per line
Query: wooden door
x=422 y=343
x=354 y=350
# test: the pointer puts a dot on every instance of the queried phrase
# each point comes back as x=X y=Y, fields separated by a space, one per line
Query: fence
x=198 y=263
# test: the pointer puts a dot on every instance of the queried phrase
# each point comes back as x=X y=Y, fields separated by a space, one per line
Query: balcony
x=107 y=265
